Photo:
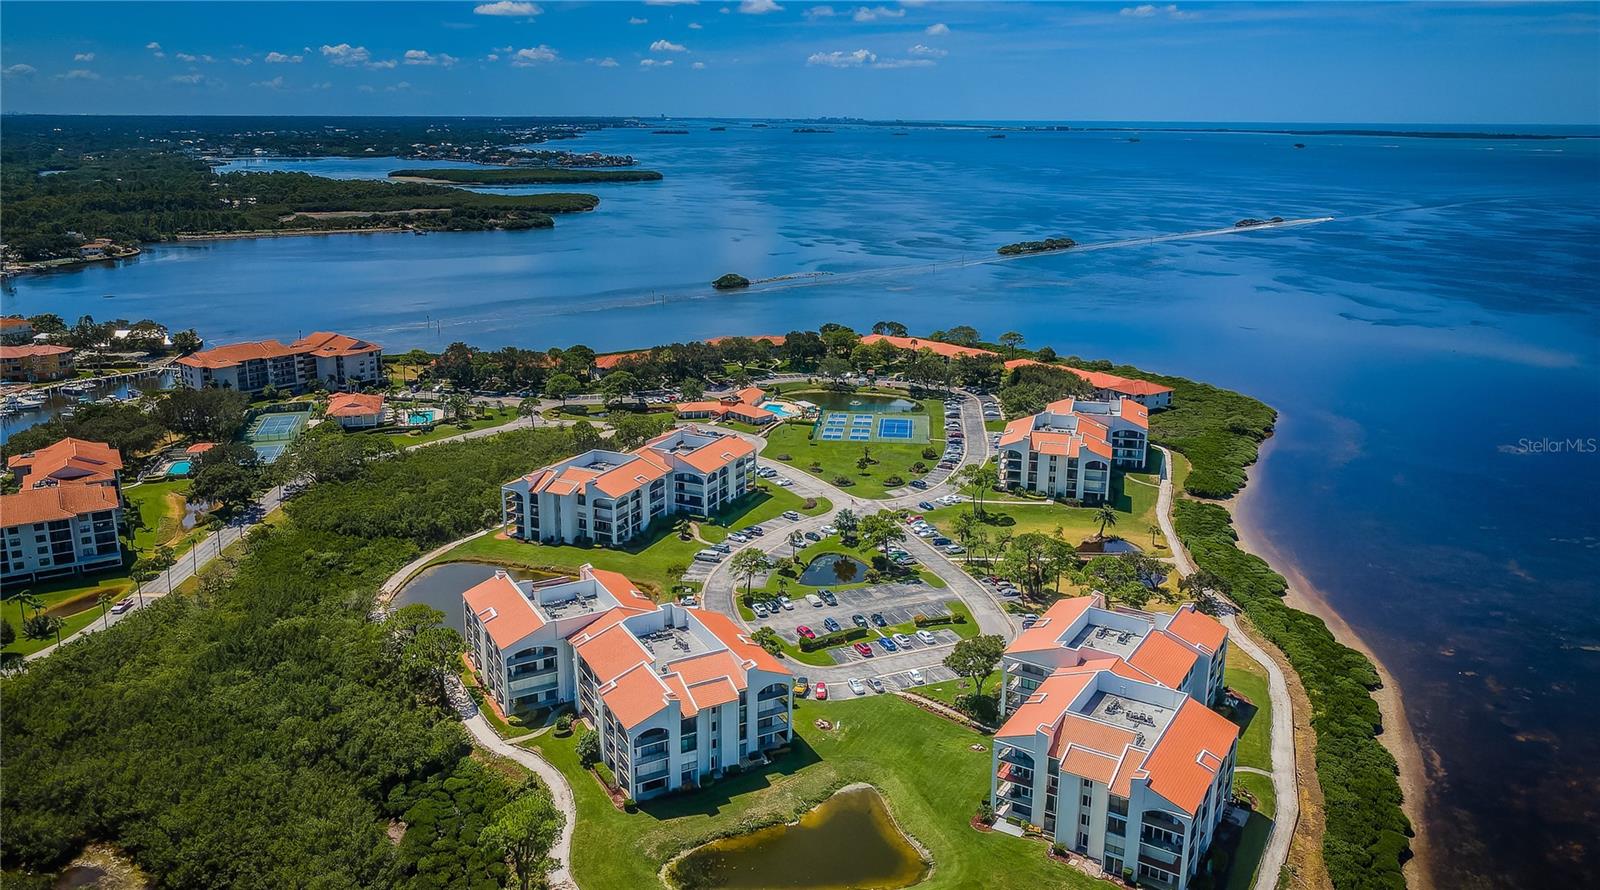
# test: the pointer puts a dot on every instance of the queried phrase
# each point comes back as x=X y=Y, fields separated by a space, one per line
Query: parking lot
x=898 y=603
x=848 y=654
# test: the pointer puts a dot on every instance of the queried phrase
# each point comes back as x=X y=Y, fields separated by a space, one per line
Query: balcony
x=1015 y=791
x=1016 y=756
x=1166 y=850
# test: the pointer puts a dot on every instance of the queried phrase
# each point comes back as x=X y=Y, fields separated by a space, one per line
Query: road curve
x=1283 y=762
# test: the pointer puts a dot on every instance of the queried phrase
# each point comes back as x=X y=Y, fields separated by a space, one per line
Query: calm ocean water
x=1433 y=352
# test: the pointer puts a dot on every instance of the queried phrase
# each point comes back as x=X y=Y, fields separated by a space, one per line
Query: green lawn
x=644 y=560
x=1261 y=787
x=922 y=764
x=1248 y=678
x=74 y=594
x=1246 y=855
x=1134 y=498
x=491 y=417
x=950 y=691
x=759 y=506
x=839 y=458
x=159 y=506
x=778 y=583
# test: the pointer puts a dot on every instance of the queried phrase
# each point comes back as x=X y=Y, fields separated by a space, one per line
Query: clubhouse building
x=1067 y=450
x=66 y=517
x=335 y=359
x=676 y=693
x=743 y=406
x=1109 y=744
x=611 y=496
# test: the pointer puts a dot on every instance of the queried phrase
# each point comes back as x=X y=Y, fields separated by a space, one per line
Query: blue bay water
x=1432 y=352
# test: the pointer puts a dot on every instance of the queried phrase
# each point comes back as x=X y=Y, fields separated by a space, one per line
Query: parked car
x=805 y=632
x=902 y=640
x=830 y=625
x=1029 y=620
x=756 y=530
x=954 y=549
x=875 y=683
x=927 y=638
x=813 y=536
x=737 y=538
x=859 y=620
x=878 y=620
x=916 y=677
x=822 y=691
x=801 y=686
x=863 y=650
x=122 y=606
x=760 y=608
x=709 y=556
x=828 y=597
x=814 y=600
x=887 y=644
x=940 y=541
x=722 y=548
x=786 y=603
x=791 y=515
x=924 y=505
x=918 y=484
x=857 y=687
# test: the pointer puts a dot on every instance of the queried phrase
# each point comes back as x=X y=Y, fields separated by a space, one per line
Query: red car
x=806 y=632
x=821 y=693
x=864 y=649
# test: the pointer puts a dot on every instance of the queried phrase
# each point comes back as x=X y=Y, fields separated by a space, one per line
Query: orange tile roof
x=700 y=407
x=1089 y=764
x=1062 y=444
x=1132 y=765
x=948 y=350
x=619 y=586
x=354 y=404
x=1099 y=379
x=200 y=448
x=1185 y=761
x=622 y=479
x=1163 y=657
x=55 y=502
x=713 y=692
x=1047 y=631
x=1017 y=431
x=748 y=412
x=739 y=642
x=751 y=395
x=505 y=613
x=1077 y=730
x=635 y=695
x=1134 y=412
x=19 y=352
x=1046 y=706
x=713 y=456
x=70 y=459
x=774 y=339
x=1199 y=629
x=329 y=344
x=722 y=664
x=9 y=322
x=607 y=362
x=611 y=652
x=236 y=353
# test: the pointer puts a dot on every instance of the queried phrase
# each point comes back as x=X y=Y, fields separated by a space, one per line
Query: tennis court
x=270 y=434
x=849 y=426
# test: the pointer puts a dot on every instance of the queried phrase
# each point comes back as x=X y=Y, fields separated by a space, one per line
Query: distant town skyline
x=1258 y=62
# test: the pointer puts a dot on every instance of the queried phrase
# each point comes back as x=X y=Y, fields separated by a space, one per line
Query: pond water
x=861 y=402
x=847 y=841
x=833 y=568
x=441 y=587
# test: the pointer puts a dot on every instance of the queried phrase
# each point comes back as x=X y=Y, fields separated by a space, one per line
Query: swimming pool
x=778 y=408
x=419 y=418
x=178 y=468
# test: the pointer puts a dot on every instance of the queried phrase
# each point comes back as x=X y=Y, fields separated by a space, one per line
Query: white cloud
x=193 y=78
x=79 y=74
x=402 y=85
x=606 y=62
x=277 y=58
x=864 y=14
x=155 y=49
x=698 y=66
x=1148 y=10
x=152 y=45
x=655 y=63
x=671 y=2
x=921 y=50
x=492 y=57
x=695 y=26
x=533 y=55
x=423 y=57
x=667 y=46
x=345 y=54
x=504 y=50
x=758 y=7
x=274 y=84
x=819 y=12
x=508 y=8
x=242 y=60
x=83 y=57
x=186 y=57
x=18 y=70
x=383 y=65
x=904 y=63
x=365 y=88
x=837 y=59
x=937 y=30
x=638 y=21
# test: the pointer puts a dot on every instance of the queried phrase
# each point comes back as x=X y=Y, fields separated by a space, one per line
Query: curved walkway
x=1283 y=762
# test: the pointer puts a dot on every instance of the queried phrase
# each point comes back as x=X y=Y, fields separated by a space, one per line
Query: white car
x=738 y=538
x=858 y=687
x=927 y=638
x=828 y=531
x=916 y=677
x=902 y=640
x=787 y=605
x=783 y=482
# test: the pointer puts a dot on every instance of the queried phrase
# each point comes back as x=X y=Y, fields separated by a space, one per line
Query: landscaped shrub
x=810 y=504
x=843 y=481
x=828 y=641
x=784 y=456
x=930 y=454
x=925 y=621
x=588 y=748
x=564 y=725
x=893 y=480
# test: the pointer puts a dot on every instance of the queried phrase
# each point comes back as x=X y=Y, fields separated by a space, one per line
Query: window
x=1083 y=819
x=1086 y=800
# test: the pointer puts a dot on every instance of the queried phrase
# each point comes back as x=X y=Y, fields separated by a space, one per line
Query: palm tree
x=105 y=599
x=27 y=599
x=796 y=541
x=975 y=481
x=1154 y=531
x=1106 y=516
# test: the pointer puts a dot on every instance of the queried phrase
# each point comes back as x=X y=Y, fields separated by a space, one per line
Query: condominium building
x=15 y=329
x=68 y=460
x=334 y=359
x=59 y=529
x=676 y=693
x=1153 y=396
x=1067 y=450
x=36 y=363
x=355 y=411
x=1122 y=763
x=611 y=496
x=915 y=344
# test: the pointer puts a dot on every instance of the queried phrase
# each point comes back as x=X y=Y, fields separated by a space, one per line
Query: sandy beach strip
x=1397 y=736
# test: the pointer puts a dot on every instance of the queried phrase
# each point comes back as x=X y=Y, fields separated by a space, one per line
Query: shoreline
x=1397 y=736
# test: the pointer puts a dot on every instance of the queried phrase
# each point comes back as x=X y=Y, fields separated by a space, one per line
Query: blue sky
x=1471 y=63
